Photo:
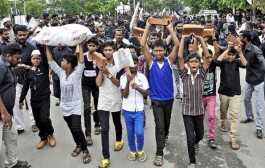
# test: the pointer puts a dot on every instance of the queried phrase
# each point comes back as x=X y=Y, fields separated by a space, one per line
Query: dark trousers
x=87 y=109
x=162 y=114
x=56 y=88
x=41 y=113
x=74 y=123
x=194 y=132
x=104 y=120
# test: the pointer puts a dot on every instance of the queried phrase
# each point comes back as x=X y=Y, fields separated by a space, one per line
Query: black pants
x=87 y=109
x=74 y=123
x=194 y=132
x=162 y=114
x=41 y=114
x=56 y=87
x=104 y=120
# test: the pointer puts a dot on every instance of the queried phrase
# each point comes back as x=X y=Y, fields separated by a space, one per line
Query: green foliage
x=4 y=8
x=260 y=4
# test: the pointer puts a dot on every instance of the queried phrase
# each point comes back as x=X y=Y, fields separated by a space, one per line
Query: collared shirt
x=123 y=45
x=192 y=92
x=7 y=85
x=255 y=69
x=3 y=45
x=135 y=100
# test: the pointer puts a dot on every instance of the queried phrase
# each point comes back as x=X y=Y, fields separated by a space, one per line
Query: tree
x=4 y=8
x=260 y=5
x=35 y=7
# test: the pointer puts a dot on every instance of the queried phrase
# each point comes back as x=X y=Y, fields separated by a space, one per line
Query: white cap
x=6 y=20
x=35 y=52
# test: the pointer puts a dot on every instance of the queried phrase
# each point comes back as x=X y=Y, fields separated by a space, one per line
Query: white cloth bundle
x=67 y=35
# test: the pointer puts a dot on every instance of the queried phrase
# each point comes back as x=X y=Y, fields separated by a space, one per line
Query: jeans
x=9 y=137
x=162 y=114
x=194 y=132
x=74 y=123
x=87 y=108
x=209 y=103
x=259 y=91
x=41 y=113
x=135 y=126
x=104 y=120
x=232 y=104
x=56 y=88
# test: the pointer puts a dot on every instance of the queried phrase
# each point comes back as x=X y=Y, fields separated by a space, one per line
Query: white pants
x=9 y=136
x=18 y=114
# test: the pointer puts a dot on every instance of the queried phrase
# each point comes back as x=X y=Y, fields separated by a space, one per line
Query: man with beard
x=254 y=34
x=27 y=48
x=8 y=25
x=119 y=43
x=254 y=81
x=4 y=39
x=110 y=29
x=101 y=37
x=9 y=60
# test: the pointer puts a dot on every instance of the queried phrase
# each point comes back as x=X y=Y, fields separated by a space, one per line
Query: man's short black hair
x=100 y=27
x=109 y=43
x=119 y=29
x=194 y=55
x=132 y=46
x=247 y=34
x=12 y=49
x=250 y=24
x=71 y=59
x=45 y=15
x=54 y=15
x=159 y=43
x=209 y=51
x=233 y=51
x=93 y=40
x=20 y=28
x=2 y=30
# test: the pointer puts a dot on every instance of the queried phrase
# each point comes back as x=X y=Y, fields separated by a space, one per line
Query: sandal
x=142 y=156
x=97 y=130
x=76 y=151
x=158 y=160
x=234 y=145
x=104 y=163
x=118 y=145
x=86 y=156
x=132 y=156
x=89 y=141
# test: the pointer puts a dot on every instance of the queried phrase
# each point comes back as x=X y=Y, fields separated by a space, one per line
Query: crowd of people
x=162 y=56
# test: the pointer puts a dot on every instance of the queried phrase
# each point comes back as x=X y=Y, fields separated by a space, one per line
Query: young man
x=255 y=72
x=89 y=87
x=109 y=101
x=70 y=105
x=230 y=89
x=192 y=110
x=8 y=133
x=37 y=80
x=161 y=97
x=134 y=87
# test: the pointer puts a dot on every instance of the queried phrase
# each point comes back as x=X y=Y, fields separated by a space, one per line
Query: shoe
x=89 y=141
x=247 y=120
x=132 y=156
x=191 y=165
x=212 y=144
x=118 y=145
x=104 y=163
x=20 y=131
x=41 y=144
x=22 y=164
x=259 y=133
x=223 y=127
x=57 y=103
x=34 y=128
x=234 y=145
x=97 y=130
x=52 y=140
x=142 y=156
x=197 y=147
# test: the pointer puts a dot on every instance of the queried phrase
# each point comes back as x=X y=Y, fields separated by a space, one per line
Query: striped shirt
x=192 y=92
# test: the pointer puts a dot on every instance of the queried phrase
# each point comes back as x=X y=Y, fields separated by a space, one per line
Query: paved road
x=250 y=155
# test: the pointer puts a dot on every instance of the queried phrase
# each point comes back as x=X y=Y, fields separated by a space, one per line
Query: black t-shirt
x=230 y=77
x=209 y=82
x=89 y=74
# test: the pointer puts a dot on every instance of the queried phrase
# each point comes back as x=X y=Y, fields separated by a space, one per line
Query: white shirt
x=193 y=78
x=230 y=19
x=243 y=27
x=70 y=97
x=109 y=94
x=135 y=100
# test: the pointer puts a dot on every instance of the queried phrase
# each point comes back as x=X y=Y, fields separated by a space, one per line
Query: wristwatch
x=109 y=76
